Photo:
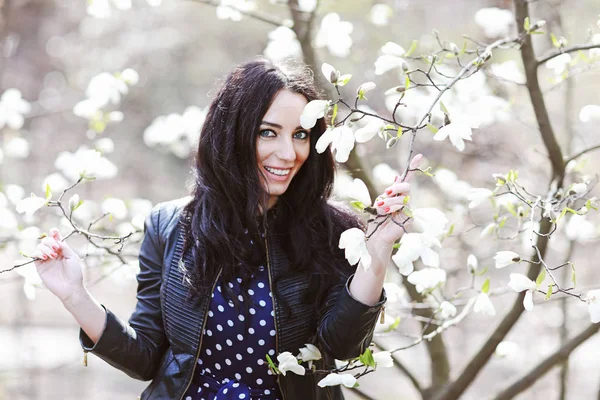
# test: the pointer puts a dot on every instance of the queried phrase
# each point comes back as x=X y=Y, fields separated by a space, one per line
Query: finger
x=41 y=256
x=414 y=164
x=397 y=188
x=50 y=242
x=392 y=201
x=47 y=251
x=54 y=232
x=392 y=208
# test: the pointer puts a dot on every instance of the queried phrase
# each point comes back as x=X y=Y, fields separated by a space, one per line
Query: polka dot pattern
x=232 y=363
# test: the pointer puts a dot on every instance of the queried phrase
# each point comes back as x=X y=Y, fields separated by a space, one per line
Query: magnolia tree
x=441 y=93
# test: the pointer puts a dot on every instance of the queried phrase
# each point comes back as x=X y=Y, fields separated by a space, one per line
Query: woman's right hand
x=59 y=266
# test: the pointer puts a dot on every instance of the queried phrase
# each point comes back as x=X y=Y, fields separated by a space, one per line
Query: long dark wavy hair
x=223 y=215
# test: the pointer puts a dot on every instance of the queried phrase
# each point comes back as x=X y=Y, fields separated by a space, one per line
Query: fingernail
x=387 y=209
x=388 y=192
x=54 y=254
x=55 y=247
x=380 y=203
x=397 y=178
x=45 y=257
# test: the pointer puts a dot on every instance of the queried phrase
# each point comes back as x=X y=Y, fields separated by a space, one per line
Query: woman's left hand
x=392 y=202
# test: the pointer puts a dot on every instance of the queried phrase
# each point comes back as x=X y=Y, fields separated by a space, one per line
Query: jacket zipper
x=274 y=309
x=382 y=316
x=201 y=336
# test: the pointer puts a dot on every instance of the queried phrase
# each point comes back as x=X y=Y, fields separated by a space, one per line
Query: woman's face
x=282 y=144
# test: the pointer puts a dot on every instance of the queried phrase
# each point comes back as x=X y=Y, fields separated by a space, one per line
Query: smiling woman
x=248 y=268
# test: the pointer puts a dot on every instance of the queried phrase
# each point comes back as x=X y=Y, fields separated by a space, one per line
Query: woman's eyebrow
x=279 y=126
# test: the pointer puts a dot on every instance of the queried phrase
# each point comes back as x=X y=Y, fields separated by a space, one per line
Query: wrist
x=78 y=296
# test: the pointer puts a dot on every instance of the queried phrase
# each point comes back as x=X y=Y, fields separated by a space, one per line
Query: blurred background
x=169 y=57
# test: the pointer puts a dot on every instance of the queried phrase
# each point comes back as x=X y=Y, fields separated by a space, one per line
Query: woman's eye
x=301 y=135
x=266 y=133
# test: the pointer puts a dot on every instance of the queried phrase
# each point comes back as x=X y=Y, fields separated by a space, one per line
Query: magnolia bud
x=73 y=201
x=454 y=48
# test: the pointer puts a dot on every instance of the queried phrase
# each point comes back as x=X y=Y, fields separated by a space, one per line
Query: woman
x=246 y=267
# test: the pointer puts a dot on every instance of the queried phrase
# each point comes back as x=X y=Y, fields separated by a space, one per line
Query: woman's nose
x=286 y=150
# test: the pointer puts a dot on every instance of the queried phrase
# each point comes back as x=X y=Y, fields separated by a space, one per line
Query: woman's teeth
x=280 y=172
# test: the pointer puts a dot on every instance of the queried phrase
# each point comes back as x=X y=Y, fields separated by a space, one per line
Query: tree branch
x=577 y=155
x=413 y=379
x=543 y=367
x=568 y=50
x=468 y=375
x=252 y=14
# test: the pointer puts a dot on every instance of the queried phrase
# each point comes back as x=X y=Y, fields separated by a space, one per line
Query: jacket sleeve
x=346 y=325
x=137 y=347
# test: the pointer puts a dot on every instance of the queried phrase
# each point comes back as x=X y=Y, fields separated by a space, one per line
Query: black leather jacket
x=163 y=337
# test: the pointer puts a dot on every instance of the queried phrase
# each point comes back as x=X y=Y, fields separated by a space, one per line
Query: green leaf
x=48 y=192
x=400 y=132
x=590 y=205
x=407 y=211
x=432 y=128
x=77 y=205
x=443 y=108
x=464 y=48
x=367 y=358
x=526 y=24
x=540 y=278
x=573 y=277
x=427 y=172
x=486 y=286
x=412 y=48
x=334 y=115
x=272 y=365
x=450 y=230
x=555 y=41
x=344 y=79
x=502 y=222
x=549 y=292
x=394 y=325
x=358 y=205
x=482 y=272
x=396 y=246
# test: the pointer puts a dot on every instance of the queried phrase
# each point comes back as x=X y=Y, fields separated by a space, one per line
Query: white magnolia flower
x=56 y=181
x=335 y=35
x=15 y=193
x=393 y=49
x=380 y=14
x=98 y=8
x=287 y=362
x=307 y=5
x=368 y=132
x=488 y=229
x=579 y=188
x=506 y=349
x=85 y=161
x=353 y=241
x=387 y=62
x=29 y=205
x=414 y=246
x=334 y=379
x=383 y=174
x=8 y=221
x=341 y=139
x=309 y=353
x=508 y=71
x=484 y=305
x=447 y=310
x=427 y=278
x=17 y=147
x=312 y=112
x=429 y=220
x=179 y=132
x=130 y=76
x=358 y=191
x=496 y=22
x=472 y=263
x=73 y=201
x=504 y=258
x=12 y=109
x=104 y=145
x=458 y=133
x=520 y=283
x=106 y=88
x=283 y=43
x=365 y=87
x=591 y=112
x=115 y=206
x=330 y=73
x=580 y=229
x=450 y=184
x=383 y=359
x=478 y=196
x=559 y=63
x=593 y=300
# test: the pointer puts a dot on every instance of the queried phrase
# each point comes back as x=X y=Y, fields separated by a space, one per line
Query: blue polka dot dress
x=232 y=364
